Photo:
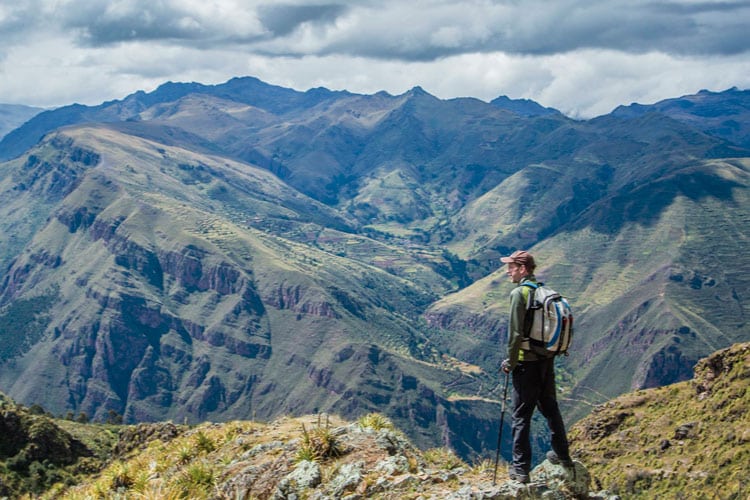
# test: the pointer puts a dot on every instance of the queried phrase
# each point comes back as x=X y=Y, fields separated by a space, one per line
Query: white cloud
x=591 y=83
x=580 y=57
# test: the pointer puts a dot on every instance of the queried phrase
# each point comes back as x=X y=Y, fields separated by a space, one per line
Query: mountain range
x=14 y=115
x=212 y=252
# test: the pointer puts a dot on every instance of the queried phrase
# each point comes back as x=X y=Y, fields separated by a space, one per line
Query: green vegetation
x=687 y=437
x=375 y=421
x=318 y=444
x=443 y=458
x=23 y=322
x=196 y=481
x=203 y=443
x=39 y=453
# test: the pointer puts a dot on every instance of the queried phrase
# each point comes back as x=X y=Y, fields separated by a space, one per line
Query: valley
x=246 y=251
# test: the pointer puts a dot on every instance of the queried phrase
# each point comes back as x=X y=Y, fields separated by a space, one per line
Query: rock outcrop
x=317 y=457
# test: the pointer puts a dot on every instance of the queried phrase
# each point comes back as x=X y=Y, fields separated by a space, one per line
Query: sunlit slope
x=166 y=284
x=656 y=276
x=686 y=438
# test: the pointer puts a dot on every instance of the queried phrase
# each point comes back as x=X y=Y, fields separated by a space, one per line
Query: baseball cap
x=520 y=257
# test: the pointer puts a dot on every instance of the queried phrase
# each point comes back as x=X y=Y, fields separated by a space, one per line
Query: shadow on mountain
x=645 y=204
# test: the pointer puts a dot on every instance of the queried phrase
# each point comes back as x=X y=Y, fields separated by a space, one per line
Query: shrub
x=204 y=443
x=318 y=444
x=442 y=458
x=375 y=421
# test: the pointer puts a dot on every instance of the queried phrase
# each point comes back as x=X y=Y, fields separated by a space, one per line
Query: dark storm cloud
x=98 y=24
x=418 y=30
x=709 y=27
x=283 y=19
x=429 y=30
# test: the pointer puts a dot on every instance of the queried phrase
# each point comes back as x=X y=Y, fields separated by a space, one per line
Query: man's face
x=516 y=272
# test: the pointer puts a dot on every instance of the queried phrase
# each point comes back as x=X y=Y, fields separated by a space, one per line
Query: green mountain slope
x=650 y=299
x=214 y=252
x=159 y=283
x=687 y=439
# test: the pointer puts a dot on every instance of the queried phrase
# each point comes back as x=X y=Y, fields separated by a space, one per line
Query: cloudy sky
x=582 y=57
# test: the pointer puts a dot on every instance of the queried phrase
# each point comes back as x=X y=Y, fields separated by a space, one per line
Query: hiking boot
x=555 y=460
x=519 y=476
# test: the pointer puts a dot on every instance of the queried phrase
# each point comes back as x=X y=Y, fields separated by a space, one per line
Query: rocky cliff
x=319 y=456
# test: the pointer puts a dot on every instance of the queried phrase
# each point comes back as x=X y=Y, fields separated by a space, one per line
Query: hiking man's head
x=520 y=264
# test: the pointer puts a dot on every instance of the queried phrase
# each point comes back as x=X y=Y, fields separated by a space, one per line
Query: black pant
x=534 y=386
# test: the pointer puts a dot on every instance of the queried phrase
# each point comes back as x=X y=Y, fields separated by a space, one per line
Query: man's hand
x=505 y=366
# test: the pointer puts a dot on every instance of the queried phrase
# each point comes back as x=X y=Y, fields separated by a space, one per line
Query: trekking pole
x=500 y=432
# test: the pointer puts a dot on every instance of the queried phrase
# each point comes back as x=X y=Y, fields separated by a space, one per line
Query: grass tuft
x=375 y=421
x=443 y=458
x=318 y=444
x=203 y=443
x=197 y=480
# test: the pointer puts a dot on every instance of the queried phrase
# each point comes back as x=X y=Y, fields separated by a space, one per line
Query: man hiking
x=533 y=377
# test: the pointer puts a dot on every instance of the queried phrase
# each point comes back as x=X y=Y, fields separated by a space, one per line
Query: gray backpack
x=548 y=322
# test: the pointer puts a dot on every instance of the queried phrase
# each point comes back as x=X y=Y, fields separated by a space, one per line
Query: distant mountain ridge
x=248 y=90
x=14 y=115
x=210 y=252
x=525 y=107
x=721 y=114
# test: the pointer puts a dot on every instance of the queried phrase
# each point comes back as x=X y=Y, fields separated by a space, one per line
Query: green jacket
x=518 y=297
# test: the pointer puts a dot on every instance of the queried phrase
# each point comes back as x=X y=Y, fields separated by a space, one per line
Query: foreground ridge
x=686 y=440
x=309 y=457
x=691 y=437
x=305 y=457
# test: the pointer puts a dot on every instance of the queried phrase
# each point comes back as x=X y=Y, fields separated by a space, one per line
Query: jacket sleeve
x=515 y=327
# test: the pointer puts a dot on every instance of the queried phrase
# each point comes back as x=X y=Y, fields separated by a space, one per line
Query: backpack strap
x=528 y=318
x=533 y=286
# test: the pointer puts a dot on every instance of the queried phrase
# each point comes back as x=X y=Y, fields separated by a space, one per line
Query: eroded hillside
x=243 y=250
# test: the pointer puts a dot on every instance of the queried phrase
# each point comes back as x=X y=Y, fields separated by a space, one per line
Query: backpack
x=548 y=322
